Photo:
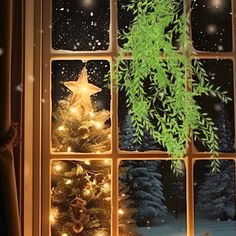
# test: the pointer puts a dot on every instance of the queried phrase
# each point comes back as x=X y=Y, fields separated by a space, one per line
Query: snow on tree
x=215 y=197
x=145 y=190
x=225 y=128
x=127 y=138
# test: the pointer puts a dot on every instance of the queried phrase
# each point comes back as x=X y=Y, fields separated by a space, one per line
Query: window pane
x=80 y=106
x=81 y=25
x=125 y=19
x=152 y=199
x=127 y=131
x=127 y=140
x=215 y=199
x=220 y=73
x=212 y=25
x=80 y=198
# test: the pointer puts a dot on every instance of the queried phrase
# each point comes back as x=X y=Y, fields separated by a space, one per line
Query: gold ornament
x=83 y=132
x=82 y=90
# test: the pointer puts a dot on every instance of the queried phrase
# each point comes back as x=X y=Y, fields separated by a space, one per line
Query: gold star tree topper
x=82 y=90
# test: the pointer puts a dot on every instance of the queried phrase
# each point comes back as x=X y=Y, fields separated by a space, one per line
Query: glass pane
x=125 y=20
x=127 y=140
x=81 y=25
x=80 y=106
x=212 y=25
x=152 y=199
x=220 y=73
x=215 y=199
x=80 y=198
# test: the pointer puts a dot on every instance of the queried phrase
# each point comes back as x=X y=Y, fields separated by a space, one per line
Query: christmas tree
x=225 y=129
x=145 y=190
x=215 y=197
x=76 y=126
x=127 y=138
x=80 y=198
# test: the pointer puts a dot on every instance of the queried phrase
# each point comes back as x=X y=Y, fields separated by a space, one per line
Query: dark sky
x=80 y=25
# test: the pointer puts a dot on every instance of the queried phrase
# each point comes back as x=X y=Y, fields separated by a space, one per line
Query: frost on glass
x=152 y=199
x=80 y=106
x=212 y=25
x=81 y=25
x=80 y=198
x=215 y=199
x=220 y=73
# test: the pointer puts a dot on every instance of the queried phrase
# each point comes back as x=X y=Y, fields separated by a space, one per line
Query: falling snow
x=220 y=73
x=77 y=25
x=212 y=25
x=19 y=88
x=1 y=51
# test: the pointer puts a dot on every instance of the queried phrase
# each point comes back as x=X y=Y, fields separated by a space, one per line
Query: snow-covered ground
x=177 y=227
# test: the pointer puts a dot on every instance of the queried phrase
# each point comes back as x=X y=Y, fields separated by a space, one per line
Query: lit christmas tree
x=76 y=126
x=80 y=198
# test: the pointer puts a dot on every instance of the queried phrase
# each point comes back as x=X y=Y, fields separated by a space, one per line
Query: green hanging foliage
x=167 y=107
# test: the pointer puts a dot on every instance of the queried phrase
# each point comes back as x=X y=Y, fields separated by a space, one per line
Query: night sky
x=220 y=73
x=81 y=25
x=212 y=25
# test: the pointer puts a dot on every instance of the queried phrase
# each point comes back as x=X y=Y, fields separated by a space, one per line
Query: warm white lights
x=217 y=3
x=88 y=191
x=58 y=167
x=52 y=219
x=73 y=110
x=64 y=234
x=87 y=162
x=98 y=125
x=121 y=212
x=100 y=233
x=69 y=149
x=53 y=216
x=61 y=128
x=69 y=181
x=106 y=185
x=91 y=114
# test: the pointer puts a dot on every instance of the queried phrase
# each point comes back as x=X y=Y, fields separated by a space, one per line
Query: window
x=79 y=41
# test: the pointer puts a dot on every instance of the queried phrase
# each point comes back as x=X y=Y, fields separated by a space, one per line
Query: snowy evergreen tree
x=215 y=197
x=145 y=190
x=225 y=129
x=127 y=139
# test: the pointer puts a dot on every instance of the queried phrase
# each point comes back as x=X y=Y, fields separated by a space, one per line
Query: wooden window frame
x=38 y=58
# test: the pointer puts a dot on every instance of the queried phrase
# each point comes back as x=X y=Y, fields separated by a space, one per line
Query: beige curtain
x=10 y=19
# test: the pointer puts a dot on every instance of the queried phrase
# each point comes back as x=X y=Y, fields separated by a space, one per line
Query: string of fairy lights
x=57 y=169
